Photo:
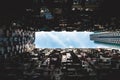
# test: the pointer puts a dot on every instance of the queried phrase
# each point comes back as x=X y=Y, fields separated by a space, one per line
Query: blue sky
x=65 y=40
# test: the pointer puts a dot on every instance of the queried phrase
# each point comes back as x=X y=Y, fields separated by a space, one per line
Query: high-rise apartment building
x=106 y=37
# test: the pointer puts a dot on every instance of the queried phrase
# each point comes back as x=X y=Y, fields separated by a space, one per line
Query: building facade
x=15 y=41
x=106 y=37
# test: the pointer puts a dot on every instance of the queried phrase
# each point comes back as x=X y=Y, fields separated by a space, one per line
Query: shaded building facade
x=106 y=37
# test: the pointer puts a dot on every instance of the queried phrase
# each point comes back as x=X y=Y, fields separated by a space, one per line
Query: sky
x=66 y=40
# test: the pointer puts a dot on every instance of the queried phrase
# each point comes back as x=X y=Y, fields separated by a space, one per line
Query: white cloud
x=71 y=46
x=56 y=39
